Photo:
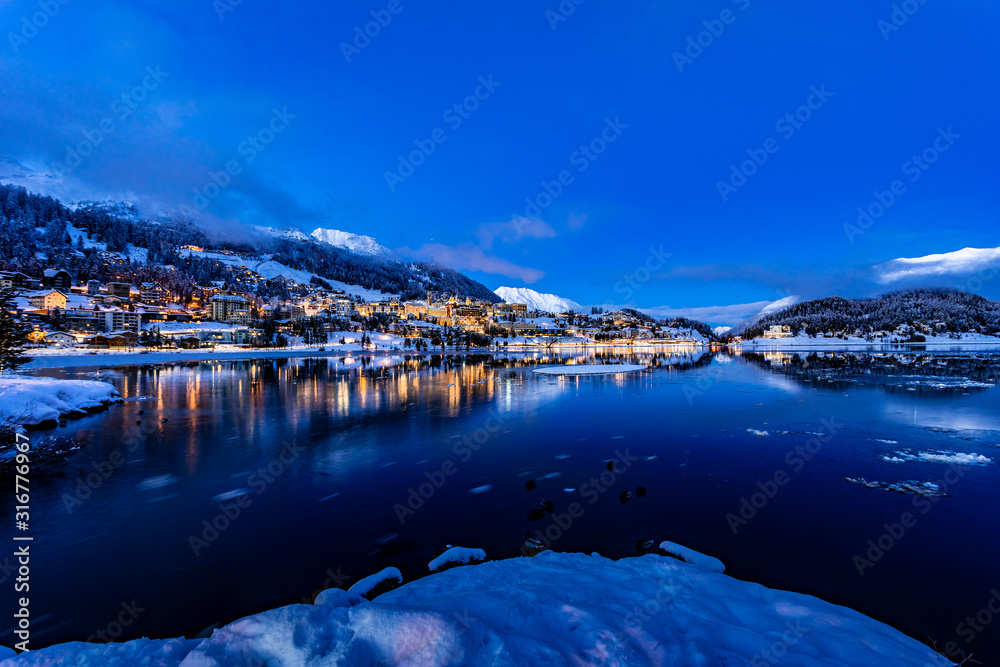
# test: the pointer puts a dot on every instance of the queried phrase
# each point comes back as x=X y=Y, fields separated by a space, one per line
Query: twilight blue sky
x=558 y=84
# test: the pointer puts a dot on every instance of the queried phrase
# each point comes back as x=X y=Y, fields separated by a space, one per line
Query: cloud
x=469 y=257
x=958 y=263
x=576 y=222
x=516 y=229
x=727 y=315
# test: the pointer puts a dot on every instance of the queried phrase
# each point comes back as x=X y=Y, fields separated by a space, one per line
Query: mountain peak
x=549 y=303
x=363 y=245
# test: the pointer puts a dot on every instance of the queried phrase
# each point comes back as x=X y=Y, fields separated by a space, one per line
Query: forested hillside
x=960 y=312
x=38 y=232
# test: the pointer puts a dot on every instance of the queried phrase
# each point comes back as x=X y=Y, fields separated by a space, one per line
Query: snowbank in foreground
x=33 y=400
x=553 y=609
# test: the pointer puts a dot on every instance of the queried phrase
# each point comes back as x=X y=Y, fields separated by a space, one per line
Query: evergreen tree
x=13 y=333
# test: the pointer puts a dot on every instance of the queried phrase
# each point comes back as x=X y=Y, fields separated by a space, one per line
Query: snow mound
x=553 y=609
x=456 y=555
x=33 y=400
x=693 y=557
x=147 y=652
x=546 y=303
x=369 y=583
x=590 y=369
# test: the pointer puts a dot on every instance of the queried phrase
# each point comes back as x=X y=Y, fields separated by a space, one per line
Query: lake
x=224 y=488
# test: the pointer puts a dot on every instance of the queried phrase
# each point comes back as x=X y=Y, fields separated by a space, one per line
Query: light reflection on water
x=372 y=428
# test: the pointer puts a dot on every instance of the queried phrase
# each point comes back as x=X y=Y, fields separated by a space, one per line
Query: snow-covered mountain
x=772 y=307
x=549 y=303
x=293 y=234
x=363 y=245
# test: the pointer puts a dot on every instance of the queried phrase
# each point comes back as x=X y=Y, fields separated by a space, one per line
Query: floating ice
x=156 y=482
x=955 y=458
x=229 y=495
x=910 y=486
x=759 y=434
x=590 y=369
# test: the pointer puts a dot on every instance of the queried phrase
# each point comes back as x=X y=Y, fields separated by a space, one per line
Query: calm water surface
x=332 y=454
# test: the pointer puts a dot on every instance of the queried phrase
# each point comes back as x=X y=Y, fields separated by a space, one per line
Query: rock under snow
x=456 y=555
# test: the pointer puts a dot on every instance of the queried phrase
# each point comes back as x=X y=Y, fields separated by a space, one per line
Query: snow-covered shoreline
x=31 y=401
x=554 y=608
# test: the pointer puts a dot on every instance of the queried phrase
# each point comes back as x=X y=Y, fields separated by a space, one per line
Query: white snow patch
x=368 y=584
x=456 y=555
x=693 y=557
x=759 y=434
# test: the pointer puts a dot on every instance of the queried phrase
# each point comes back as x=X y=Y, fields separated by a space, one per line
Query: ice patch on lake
x=956 y=458
x=156 y=482
x=590 y=369
x=910 y=487
x=888 y=442
x=229 y=495
x=759 y=434
x=456 y=555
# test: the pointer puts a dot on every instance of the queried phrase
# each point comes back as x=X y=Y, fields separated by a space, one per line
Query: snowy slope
x=363 y=245
x=549 y=303
x=552 y=609
x=268 y=268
